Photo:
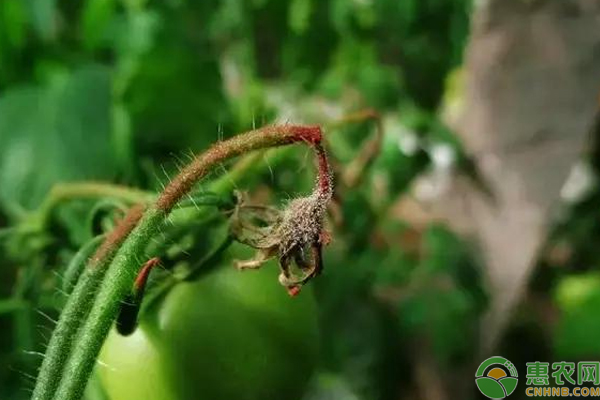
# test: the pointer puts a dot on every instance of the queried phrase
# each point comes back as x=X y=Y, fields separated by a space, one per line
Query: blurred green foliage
x=124 y=91
x=48 y=123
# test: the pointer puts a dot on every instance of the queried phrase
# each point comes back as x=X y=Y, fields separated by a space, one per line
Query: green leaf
x=95 y=19
x=331 y=386
x=43 y=15
x=191 y=104
x=340 y=13
x=54 y=134
x=13 y=22
x=122 y=134
x=299 y=15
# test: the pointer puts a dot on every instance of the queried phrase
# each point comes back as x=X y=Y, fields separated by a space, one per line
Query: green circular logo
x=496 y=378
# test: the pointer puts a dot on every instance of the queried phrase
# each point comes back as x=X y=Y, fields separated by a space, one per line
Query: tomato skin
x=230 y=335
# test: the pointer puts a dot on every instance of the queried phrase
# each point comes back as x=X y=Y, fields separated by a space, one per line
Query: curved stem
x=78 y=262
x=80 y=190
x=354 y=172
x=269 y=136
x=122 y=271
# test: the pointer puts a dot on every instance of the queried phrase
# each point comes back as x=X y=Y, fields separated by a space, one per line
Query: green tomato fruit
x=229 y=335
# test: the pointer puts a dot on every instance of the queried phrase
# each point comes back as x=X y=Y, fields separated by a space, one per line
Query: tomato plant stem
x=79 y=190
x=354 y=172
x=69 y=361
x=77 y=307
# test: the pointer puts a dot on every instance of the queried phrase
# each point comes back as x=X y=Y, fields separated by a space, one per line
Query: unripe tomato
x=230 y=335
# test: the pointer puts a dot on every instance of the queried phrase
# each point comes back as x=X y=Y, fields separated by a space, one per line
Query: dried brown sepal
x=295 y=235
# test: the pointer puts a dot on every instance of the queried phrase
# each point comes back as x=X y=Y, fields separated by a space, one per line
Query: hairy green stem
x=69 y=361
x=78 y=262
x=77 y=308
x=64 y=334
x=81 y=190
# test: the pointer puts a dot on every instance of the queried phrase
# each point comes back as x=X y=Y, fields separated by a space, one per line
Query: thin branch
x=354 y=172
x=81 y=190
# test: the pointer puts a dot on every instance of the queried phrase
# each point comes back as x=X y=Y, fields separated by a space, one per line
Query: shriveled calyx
x=295 y=235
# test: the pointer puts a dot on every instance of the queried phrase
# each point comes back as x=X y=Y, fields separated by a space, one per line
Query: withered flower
x=295 y=235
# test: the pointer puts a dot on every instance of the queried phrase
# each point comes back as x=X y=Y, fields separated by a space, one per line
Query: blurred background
x=463 y=133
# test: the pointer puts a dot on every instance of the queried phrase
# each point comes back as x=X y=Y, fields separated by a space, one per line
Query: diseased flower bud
x=295 y=234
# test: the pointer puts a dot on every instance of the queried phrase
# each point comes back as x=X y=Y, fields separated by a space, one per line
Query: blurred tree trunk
x=532 y=77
